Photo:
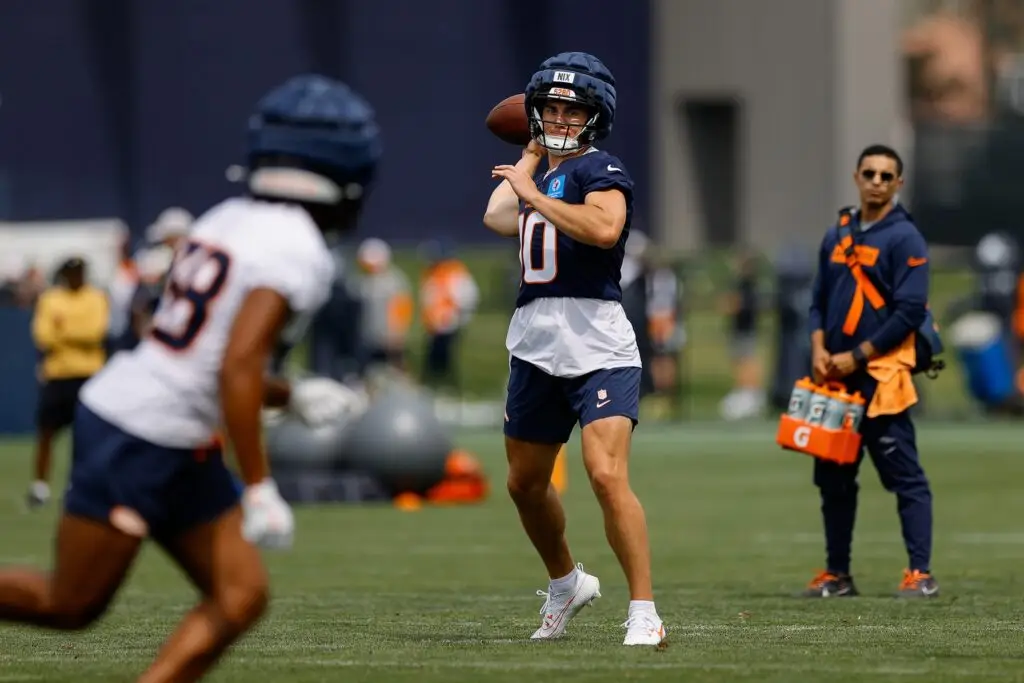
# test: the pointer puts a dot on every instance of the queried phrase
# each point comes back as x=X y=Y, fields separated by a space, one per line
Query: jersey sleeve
x=606 y=173
x=299 y=271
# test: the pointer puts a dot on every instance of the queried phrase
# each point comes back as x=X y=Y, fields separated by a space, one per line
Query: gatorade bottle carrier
x=822 y=422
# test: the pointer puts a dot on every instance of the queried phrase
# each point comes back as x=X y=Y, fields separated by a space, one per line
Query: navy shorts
x=541 y=408
x=172 y=489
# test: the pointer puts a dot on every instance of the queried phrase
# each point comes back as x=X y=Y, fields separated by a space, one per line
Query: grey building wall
x=810 y=83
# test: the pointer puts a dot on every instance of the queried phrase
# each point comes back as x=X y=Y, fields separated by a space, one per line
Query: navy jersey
x=556 y=265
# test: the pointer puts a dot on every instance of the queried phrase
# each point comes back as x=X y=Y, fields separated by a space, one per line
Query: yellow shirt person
x=69 y=327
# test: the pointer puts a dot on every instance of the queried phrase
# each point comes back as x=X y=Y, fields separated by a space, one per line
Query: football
x=507 y=120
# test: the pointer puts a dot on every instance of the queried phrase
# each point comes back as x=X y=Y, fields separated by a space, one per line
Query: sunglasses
x=886 y=176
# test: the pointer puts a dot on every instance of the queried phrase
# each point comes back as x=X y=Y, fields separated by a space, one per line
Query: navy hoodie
x=894 y=255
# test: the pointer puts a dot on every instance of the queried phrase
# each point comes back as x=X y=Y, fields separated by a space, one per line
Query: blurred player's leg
x=91 y=561
x=229 y=573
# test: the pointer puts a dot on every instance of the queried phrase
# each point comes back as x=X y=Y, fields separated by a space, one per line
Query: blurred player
x=252 y=271
x=573 y=353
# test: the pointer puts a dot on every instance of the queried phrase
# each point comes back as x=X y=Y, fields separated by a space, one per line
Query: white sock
x=566 y=583
x=40 y=489
x=638 y=606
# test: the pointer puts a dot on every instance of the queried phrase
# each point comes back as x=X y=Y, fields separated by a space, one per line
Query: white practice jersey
x=166 y=390
x=568 y=337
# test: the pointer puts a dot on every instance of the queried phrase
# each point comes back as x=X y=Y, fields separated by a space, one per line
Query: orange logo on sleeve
x=914 y=261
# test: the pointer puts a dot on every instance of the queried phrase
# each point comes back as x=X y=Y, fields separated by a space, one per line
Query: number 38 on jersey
x=538 y=248
x=195 y=280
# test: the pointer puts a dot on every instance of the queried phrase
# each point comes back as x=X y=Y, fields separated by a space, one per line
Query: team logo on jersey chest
x=556 y=188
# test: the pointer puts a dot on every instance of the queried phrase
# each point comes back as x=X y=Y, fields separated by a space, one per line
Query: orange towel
x=896 y=391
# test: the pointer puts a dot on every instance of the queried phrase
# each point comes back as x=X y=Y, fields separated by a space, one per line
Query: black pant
x=439 y=363
x=891 y=443
x=57 y=400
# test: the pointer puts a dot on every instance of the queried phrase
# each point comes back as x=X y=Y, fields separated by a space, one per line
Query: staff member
x=69 y=327
x=387 y=306
x=869 y=301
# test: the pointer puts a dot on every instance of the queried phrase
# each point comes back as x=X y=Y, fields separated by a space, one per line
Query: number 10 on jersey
x=538 y=248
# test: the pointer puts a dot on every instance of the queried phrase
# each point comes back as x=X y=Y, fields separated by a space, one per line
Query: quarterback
x=572 y=353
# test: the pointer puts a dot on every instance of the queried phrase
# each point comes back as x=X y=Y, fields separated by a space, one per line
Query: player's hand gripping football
x=267 y=519
x=520 y=176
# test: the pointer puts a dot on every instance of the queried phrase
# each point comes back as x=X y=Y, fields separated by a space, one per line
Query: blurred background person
x=119 y=294
x=635 y=300
x=170 y=228
x=153 y=266
x=336 y=331
x=69 y=327
x=448 y=297
x=743 y=307
x=387 y=307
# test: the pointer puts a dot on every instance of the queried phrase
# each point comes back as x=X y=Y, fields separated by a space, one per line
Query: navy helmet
x=572 y=77
x=313 y=139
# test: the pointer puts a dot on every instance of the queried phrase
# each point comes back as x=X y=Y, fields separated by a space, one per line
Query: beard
x=873 y=203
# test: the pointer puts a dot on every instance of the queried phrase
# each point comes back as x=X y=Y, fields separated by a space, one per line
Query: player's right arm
x=45 y=332
x=259 y=322
x=502 y=214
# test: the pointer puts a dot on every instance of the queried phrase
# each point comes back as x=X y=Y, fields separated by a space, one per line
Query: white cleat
x=644 y=628
x=559 y=608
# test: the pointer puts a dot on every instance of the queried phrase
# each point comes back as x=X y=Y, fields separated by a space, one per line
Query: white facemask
x=561 y=145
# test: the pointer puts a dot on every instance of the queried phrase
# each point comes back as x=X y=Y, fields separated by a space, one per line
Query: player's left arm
x=909 y=301
x=243 y=381
x=598 y=221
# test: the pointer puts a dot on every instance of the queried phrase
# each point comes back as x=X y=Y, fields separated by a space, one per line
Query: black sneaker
x=918 y=584
x=829 y=585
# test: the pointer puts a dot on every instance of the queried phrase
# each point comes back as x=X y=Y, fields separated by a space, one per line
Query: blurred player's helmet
x=172 y=222
x=572 y=77
x=153 y=264
x=313 y=140
x=373 y=255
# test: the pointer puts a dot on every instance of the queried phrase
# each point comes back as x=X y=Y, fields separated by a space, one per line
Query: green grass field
x=446 y=595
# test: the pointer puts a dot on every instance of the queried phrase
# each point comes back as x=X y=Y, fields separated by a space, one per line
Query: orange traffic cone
x=560 y=475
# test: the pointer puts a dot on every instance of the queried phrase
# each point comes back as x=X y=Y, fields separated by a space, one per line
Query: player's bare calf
x=229 y=573
x=606 y=444
x=540 y=511
x=91 y=560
